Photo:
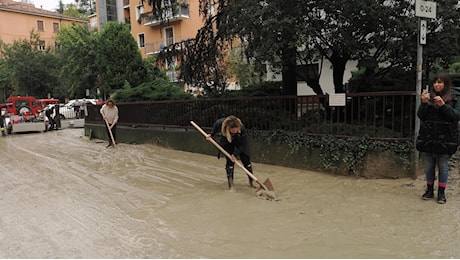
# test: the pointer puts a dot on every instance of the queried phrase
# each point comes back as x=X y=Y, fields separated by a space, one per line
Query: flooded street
x=65 y=196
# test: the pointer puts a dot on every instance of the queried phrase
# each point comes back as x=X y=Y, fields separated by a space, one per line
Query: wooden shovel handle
x=110 y=132
x=228 y=155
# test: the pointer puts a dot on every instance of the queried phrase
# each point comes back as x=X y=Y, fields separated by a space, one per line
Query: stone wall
x=383 y=165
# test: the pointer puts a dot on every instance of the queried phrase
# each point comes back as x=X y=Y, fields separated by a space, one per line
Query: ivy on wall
x=335 y=151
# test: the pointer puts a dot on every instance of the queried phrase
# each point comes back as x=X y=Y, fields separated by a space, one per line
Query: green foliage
x=456 y=79
x=455 y=68
x=394 y=80
x=104 y=60
x=80 y=8
x=454 y=71
x=443 y=41
x=85 y=59
x=336 y=152
x=78 y=51
x=72 y=10
x=160 y=89
x=5 y=80
x=380 y=35
x=29 y=70
x=118 y=58
x=244 y=72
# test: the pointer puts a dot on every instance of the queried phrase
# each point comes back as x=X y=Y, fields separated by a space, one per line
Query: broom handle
x=228 y=155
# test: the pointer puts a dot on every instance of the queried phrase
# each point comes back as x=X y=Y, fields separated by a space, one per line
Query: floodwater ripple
x=64 y=196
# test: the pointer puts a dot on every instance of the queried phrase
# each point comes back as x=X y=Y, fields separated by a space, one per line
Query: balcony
x=157 y=46
x=183 y=12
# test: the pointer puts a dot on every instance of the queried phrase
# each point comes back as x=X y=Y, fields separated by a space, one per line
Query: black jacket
x=240 y=141
x=439 y=127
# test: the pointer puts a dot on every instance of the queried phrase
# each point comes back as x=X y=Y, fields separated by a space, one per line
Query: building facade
x=152 y=35
x=18 y=20
x=110 y=11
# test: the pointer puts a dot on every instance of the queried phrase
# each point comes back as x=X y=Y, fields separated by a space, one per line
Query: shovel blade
x=267 y=183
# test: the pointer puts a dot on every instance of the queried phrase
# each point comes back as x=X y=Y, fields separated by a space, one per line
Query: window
x=41 y=45
x=169 y=36
x=141 y=40
x=111 y=10
x=171 y=64
x=40 y=26
x=55 y=27
x=139 y=12
x=171 y=70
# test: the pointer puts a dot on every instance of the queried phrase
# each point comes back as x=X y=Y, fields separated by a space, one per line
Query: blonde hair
x=230 y=122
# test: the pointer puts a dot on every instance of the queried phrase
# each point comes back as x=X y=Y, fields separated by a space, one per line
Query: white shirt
x=111 y=113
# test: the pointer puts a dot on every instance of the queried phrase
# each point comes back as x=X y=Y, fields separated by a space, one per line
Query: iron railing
x=378 y=115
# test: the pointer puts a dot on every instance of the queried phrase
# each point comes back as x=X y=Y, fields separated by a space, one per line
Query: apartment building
x=110 y=11
x=18 y=20
x=152 y=35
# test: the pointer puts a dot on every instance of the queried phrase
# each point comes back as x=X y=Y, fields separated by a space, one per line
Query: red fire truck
x=23 y=115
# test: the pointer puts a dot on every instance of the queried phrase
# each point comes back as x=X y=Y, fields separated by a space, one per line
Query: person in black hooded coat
x=439 y=113
x=234 y=140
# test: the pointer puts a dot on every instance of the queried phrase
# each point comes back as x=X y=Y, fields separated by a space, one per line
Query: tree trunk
x=315 y=86
x=289 y=71
x=338 y=70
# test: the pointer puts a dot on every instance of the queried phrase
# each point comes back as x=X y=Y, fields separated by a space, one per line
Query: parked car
x=46 y=101
x=71 y=109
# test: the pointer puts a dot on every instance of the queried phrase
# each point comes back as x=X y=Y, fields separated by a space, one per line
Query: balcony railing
x=183 y=12
x=157 y=46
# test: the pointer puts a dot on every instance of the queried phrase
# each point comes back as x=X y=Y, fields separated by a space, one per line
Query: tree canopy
x=30 y=70
x=380 y=34
x=100 y=59
x=84 y=61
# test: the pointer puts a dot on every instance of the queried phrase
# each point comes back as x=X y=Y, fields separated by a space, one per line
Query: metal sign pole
x=418 y=86
x=426 y=9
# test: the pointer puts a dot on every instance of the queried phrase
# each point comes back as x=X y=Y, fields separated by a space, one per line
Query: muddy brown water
x=65 y=196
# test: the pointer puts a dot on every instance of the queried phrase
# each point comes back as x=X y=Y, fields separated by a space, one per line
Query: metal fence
x=379 y=115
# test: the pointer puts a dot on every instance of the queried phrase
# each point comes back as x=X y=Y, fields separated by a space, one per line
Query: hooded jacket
x=439 y=126
x=239 y=144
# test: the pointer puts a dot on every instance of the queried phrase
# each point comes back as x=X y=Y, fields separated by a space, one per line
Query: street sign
x=423 y=32
x=426 y=9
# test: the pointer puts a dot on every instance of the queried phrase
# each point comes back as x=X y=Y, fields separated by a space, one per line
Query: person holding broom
x=234 y=140
x=109 y=112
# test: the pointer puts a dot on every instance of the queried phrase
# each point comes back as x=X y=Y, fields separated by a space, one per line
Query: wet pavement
x=65 y=196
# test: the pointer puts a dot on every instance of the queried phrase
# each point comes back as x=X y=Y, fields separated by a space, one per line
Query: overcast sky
x=50 y=5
